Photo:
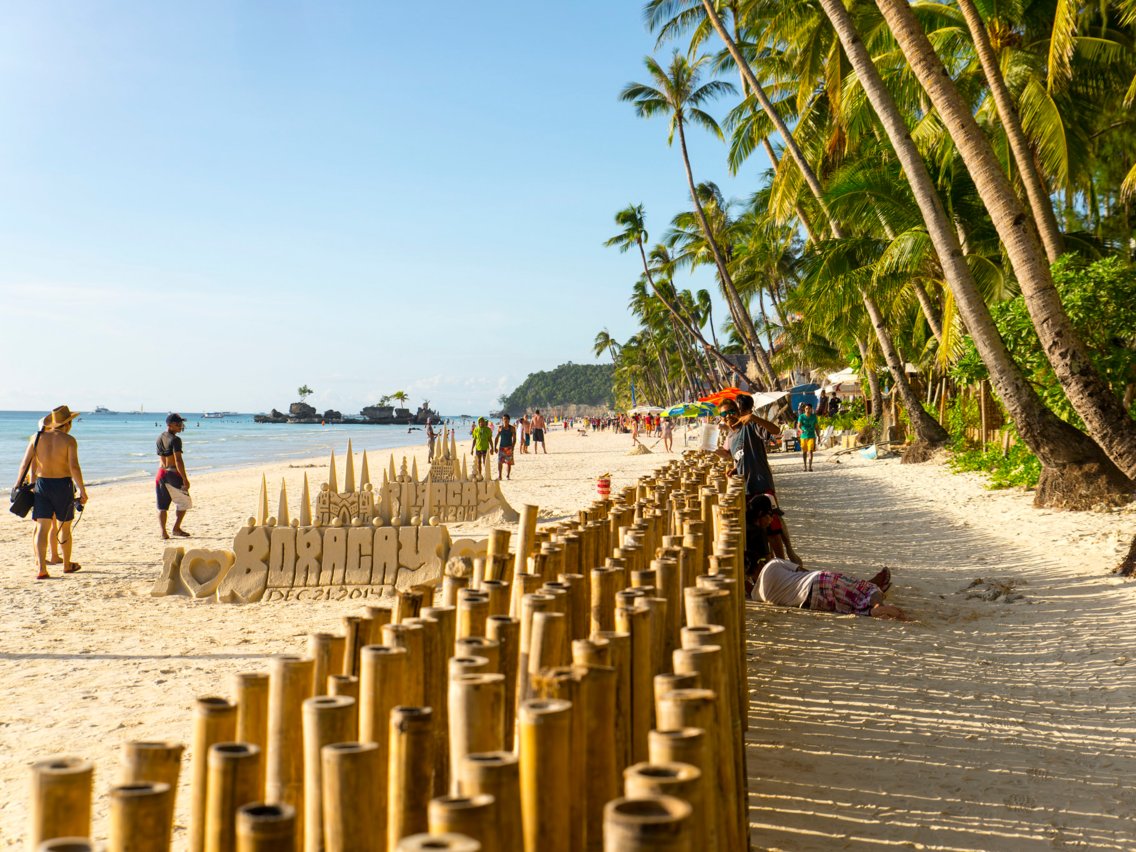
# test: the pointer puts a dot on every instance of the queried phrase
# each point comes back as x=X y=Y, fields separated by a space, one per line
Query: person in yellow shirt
x=482 y=443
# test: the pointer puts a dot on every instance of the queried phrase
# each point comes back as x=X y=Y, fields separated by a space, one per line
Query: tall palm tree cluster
x=930 y=159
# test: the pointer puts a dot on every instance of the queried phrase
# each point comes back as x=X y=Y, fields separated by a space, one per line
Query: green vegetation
x=304 y=391
x=890 y=225
x=568 y=384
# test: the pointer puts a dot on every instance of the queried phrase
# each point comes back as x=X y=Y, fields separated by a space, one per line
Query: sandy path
x=982 y=726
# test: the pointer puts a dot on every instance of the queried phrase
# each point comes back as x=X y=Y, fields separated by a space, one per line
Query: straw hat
x=60 y=416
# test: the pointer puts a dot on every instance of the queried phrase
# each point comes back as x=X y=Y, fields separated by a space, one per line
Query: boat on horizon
x=100 y=410
x=214 y=415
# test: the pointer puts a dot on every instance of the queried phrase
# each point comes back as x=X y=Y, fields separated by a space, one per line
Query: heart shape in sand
x=203 y=570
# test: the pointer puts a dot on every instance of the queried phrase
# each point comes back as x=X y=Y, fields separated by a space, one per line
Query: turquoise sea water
x=120 y=447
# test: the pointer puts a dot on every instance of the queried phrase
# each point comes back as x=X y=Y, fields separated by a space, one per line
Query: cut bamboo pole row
x=508 y=709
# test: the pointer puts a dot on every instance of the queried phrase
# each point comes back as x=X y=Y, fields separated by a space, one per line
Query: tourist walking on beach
x=503 y=445
x=538 y=430
x=52 y=462
x=482 y=442
x=524 y=433
x=668 y=435
x=431 y=436
x=807 y=423
x=172 y=482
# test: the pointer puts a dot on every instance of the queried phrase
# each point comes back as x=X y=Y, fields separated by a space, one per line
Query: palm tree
x=400 y=397
x=604 y=342
x=677 y=92
x=1102 y=411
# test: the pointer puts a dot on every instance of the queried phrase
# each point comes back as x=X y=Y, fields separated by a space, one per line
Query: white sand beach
x=980 y=725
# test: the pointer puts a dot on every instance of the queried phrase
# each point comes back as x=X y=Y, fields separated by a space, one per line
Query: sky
x=205 y=205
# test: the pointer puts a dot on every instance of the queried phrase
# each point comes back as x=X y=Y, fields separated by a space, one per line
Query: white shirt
x=783 y=584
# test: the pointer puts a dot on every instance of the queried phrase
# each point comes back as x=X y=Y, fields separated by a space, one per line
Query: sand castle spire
x=364 y=473
x=453 y=446
x=262 y=503
x=349 y=473
x=332 y=483
x=305 y=504
x=465 y=471
x=282 y=509
x=393 y=474
x=414 y=469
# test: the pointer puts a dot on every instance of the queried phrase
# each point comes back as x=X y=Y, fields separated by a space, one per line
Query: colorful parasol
x=693 y=409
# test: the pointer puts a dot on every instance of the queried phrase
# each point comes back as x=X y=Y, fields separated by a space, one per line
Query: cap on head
x=174 y=418
x=60 y=416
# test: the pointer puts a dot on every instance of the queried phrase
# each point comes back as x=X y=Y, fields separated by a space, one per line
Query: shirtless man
x=538 y=430
x=172 y=482
x=53 y=462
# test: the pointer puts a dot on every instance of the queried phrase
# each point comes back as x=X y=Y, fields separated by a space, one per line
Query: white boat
x=100 y=410
x=213 y=415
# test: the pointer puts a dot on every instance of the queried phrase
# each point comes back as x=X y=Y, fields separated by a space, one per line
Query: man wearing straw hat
x=53 y=461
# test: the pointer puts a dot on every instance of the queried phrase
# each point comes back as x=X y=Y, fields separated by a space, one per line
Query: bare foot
x=883 y=610
x=181 y=534
x=75 y=566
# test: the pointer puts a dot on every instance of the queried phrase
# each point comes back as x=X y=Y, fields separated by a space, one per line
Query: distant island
x=570 y=390
x=380 y=414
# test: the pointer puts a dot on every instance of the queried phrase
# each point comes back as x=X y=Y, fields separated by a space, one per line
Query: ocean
x=120 y=447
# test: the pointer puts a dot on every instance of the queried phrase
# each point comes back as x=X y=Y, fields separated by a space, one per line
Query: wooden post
x=619 y=652
x=409 y=636
x=472 y=816
x=214 y=721
x=352 y=779
x=498 y=594
x=636 y=623
x=602 y=616
x=473 y=609
x=667 y=682
x=159 y=763
x=319 y=649
x=506 y=632
x=680 y=780
x=655 y=824
x=479 y=646
x=477 y=717
x=140 y=817
x=234 y=776
x=438 y=843
x=688 y=746
x=526 y=536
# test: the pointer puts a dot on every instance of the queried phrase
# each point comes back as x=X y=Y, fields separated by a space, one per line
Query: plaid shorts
x=834 y=592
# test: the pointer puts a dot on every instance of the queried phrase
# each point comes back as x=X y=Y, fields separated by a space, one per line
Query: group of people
x=50 y=467
x=503 y=442
x=774 y=572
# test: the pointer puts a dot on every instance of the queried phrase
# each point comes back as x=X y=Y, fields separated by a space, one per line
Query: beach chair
x=826 y=437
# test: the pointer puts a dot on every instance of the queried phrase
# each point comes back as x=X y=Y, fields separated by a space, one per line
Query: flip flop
x=43 y=576
x=181 y=534
x=75 y=566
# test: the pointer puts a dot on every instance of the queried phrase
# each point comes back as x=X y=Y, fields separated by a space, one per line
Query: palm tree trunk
x=873 y=381
x=1036 y=193
x=934 y=318
x=1057 y=444
x=744 y=321
x=927 y=428
x=1101 y=410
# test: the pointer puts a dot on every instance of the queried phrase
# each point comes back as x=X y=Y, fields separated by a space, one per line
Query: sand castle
x=355 y=543
x=584 y=690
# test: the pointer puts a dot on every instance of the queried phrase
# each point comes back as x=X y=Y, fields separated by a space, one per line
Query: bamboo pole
x=591 y=652
x=436 y=842
x=472 y=816
x=619 y=652
x=477 y=718
x=688 y=746
x=407 y=604
x=669 y=585
x=496 y=774
x=468 y=665
x=409 y=636
x=545 y=727
x=353 y=642
x=636 y=623
x=473 y=609
x=594 y=741
x=352 y=778
x=681 y=780
x=567 y=683
x=667 y=682
x=530 y=605
x=328 y=719
x=434 y=684
x=410 y=777
x=602 y=616
x=447 y=618
x=266 y=828
x=655 y=824
x=375 y=617
x=234 y=775
x=526 y=536
x=345 y=686
x=479 y=646
x=140 y=817
x=506 y=632
x=251 y=690
x=159 y=763
x=496 y=551
x=549 y=645
x=67 y=844
x=498 y=594
x=523 y=584
x=452 y=585
x=579 y=618
x=382 y=686
x=214 y=721
x=319 y=650
x=289 y=685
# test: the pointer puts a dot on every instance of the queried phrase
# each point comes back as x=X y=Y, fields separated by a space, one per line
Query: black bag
x=23 y=495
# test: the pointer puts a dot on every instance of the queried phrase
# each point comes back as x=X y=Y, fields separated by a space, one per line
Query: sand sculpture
x=357 y=543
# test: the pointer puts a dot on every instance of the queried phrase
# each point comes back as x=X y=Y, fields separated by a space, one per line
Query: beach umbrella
x=718 y=397
x=693 y=409
x=646 y=409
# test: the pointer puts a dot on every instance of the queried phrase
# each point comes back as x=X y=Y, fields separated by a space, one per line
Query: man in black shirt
x=172 y=482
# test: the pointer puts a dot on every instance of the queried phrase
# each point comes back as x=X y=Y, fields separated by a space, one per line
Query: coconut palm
x=679 y=94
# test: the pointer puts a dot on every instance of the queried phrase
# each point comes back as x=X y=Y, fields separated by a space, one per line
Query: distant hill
x=568 y=386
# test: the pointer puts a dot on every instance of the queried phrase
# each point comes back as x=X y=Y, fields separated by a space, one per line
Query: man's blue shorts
x=54 y=498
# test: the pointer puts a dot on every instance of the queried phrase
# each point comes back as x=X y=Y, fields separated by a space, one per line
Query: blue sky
x=204 y=205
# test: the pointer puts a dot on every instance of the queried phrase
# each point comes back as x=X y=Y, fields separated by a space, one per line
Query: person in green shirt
x=482 y=442
x=807 y=423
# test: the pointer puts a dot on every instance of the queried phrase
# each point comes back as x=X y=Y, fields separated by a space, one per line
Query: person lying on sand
x=783 y=583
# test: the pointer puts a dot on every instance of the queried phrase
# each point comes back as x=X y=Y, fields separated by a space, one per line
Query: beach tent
x=646 y=409
x=844 y=383
x=767 y=398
